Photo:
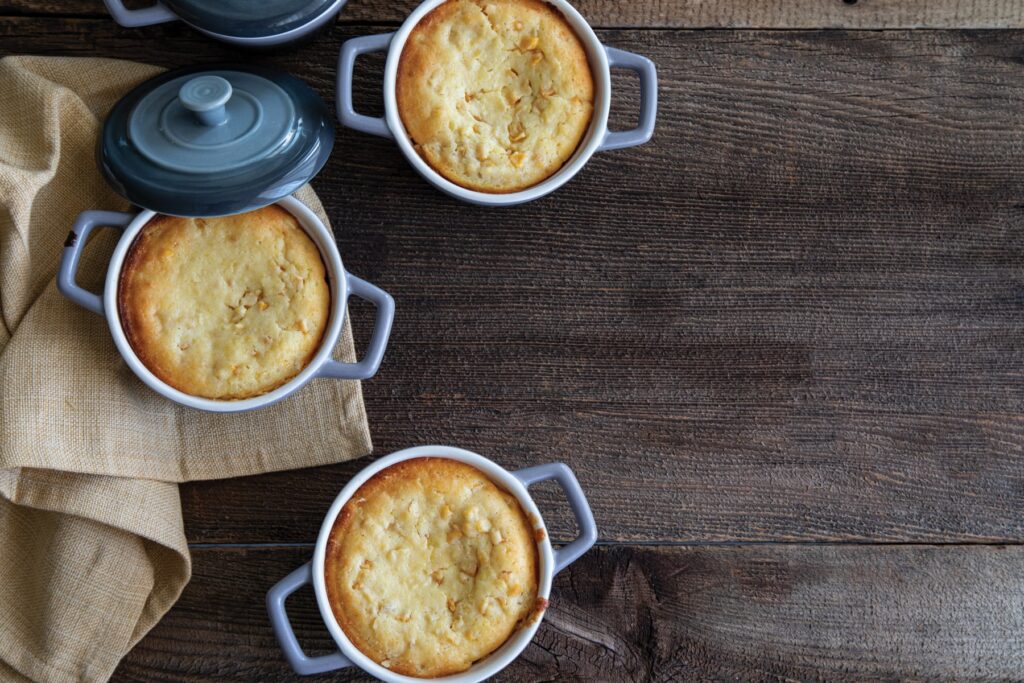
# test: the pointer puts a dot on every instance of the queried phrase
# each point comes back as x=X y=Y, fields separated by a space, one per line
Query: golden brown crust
x=495 y=94
x=430 y=567
x=224 y=308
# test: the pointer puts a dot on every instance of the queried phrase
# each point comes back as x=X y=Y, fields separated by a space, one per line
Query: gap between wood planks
x=395 y=24
x=270 y=545
x=701 y=14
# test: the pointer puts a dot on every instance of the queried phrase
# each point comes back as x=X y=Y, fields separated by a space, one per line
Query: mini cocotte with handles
x=516 y=483
x=597 y=139
x=216 y=141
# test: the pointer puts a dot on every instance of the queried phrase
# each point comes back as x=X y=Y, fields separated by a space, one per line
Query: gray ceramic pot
x=217 y=141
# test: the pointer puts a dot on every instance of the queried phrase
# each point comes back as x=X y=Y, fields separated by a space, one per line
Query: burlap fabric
x=92 y=544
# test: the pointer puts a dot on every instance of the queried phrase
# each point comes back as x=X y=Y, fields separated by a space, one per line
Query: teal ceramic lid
x=250 y=18
x=214 y=141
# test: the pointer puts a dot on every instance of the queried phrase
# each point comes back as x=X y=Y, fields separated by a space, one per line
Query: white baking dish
x=551 y=562
x=342 y=286
x=597 y=139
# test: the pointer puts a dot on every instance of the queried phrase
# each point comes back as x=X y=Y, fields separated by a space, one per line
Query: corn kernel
x=516 y=131
x=528 y=43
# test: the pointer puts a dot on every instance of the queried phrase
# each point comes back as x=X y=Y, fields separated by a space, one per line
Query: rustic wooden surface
x=765 y=612
x=780 y=345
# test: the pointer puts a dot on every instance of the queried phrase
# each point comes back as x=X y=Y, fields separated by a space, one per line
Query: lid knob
x=205 y=96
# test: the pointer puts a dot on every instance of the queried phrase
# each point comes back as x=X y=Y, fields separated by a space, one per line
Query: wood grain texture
x=657 y=614
x=795 y=315
x=772 y=14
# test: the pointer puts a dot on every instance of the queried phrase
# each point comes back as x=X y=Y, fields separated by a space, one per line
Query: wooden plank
x=795 y=315
x=658 y=614
x=762 y=350
x=768 y=14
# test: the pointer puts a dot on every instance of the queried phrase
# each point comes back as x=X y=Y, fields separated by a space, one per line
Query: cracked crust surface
x=430 y=567
x=224 y=308
x=495 y=94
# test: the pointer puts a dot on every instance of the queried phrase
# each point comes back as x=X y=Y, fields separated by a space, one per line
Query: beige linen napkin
x=92 y=544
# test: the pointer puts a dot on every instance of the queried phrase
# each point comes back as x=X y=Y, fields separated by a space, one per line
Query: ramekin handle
x=648 y=100
x=368 y=366
x=131 y=18
x=561 y=473
x=302 y=664
x=86 y=222
x=351 y=49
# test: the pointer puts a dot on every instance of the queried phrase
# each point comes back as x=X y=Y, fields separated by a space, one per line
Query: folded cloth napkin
x=92 y=543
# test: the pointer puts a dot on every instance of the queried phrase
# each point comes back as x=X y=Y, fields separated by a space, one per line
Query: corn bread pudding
x=430 y=566
x=495 y=94
x=224 y=308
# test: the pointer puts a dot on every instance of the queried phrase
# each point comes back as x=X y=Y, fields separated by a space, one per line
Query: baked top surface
x=227 y=307
x=495 y=94
x=430 y=566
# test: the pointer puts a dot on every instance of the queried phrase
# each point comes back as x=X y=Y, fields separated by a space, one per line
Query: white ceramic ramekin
x=551 y=562
x=597 y=139
x=342 y=286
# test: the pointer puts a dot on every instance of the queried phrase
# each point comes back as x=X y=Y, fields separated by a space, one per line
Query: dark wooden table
x=782 y=345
